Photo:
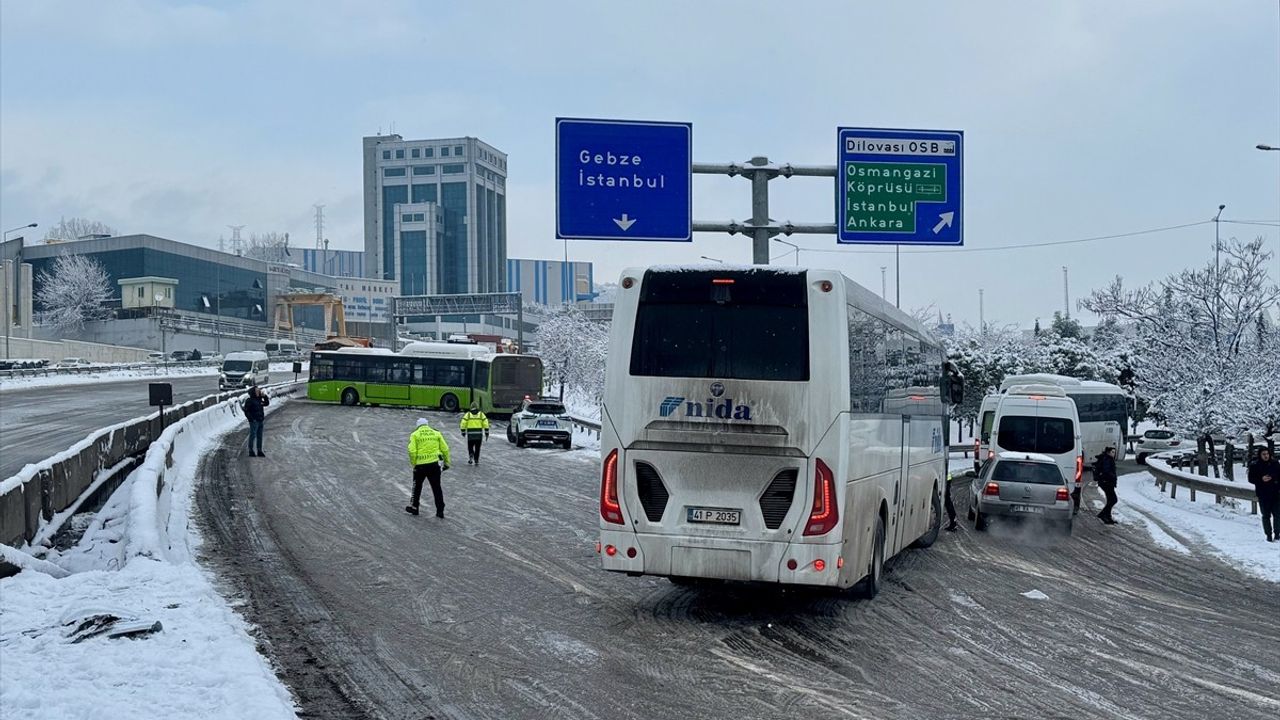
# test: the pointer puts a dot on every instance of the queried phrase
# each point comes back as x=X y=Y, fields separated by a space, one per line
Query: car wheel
x=520 y=441
x=871 y=585
x=511 y=435
x=1142 y=459
x=350 y=396
x=935 y=524
x=449 y=403
x=979 y=521
x=567 y=444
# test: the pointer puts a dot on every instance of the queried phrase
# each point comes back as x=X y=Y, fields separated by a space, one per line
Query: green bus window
x=400 y=373
x=481 y=376
x=375 y=373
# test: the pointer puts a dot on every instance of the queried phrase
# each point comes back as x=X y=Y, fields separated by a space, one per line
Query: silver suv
x=1015 y=484
x=543 y=420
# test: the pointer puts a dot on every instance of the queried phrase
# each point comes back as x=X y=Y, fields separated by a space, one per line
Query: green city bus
x=445 y=380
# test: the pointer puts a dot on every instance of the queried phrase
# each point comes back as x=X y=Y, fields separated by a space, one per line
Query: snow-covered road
x=500 y=611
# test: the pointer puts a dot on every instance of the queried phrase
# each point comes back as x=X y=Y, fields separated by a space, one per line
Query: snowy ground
x=1227 y=531
x=159 y=372
x=203 y=663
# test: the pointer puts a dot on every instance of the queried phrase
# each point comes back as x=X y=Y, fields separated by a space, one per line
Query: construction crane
x=335 y=317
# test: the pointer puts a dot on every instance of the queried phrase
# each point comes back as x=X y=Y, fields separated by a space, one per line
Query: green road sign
x=899 y=187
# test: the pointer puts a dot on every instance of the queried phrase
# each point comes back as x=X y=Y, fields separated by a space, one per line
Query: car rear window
x=1021 y=433
x=1158 y=434
x=1036 y=473
x=546 y=409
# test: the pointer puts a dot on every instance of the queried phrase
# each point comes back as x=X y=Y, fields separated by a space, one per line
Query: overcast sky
x=1081 y=118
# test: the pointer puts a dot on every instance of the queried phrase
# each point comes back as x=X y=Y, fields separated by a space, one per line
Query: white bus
x=1103 y=409
x=768 y=424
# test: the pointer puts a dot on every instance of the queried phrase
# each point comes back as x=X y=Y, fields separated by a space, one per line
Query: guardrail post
x=1173 y=491
x=1193 y=494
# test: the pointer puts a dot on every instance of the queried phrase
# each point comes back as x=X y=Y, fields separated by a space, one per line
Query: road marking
x=355 y=435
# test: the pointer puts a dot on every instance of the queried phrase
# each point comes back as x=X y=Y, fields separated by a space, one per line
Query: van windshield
x=237 y=366
x=1021 y=433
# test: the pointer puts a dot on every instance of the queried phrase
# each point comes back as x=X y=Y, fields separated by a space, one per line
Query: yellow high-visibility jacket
x=427 y=445
x=474 y=423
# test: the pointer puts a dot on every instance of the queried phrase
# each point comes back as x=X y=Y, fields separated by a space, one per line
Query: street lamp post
x=793 y=245
x=704 y=257
x=13 y=288
x=1217 y=268
x=1264 y=146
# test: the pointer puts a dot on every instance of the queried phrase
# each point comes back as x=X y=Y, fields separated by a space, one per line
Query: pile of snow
x=137 y=559
x=1228 y=530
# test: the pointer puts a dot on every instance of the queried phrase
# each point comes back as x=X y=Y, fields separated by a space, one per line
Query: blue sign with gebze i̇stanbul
x=624 y=180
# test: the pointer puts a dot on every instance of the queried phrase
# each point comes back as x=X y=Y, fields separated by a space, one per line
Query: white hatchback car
x=543 y=420
x=1154 y=441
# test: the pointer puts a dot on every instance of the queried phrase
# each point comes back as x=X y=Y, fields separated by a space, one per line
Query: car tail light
x=991 y=454
x=991 y=489
x=610 y=508
x=1063 y=494
x=825 y=515
x=1079 y=468
x=977 y=446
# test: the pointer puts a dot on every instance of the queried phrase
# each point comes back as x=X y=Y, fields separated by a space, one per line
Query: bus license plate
x=1034 y=509
x=715 y=515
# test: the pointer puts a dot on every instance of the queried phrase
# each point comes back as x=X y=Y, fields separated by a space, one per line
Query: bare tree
x=74 y=291
x=76 y=228
x=271 y=247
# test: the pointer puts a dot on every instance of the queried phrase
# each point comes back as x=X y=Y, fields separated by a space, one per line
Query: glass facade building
x=465 y=180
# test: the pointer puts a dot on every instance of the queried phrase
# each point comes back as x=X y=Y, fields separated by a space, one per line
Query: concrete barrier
x=55 y=350
x=32 y=497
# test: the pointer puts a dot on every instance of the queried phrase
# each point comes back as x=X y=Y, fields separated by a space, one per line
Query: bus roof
x=1070 y=384
x=439 y=349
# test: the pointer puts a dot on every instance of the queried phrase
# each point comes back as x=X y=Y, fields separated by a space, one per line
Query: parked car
x=156 y=356
x=541 y=420
x=69 y=362
x=180 y=355
x=1156 y=440
x=1026 y=485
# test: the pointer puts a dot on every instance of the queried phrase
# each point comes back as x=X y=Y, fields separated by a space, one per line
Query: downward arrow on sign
x=625 y=223
x=944 y=220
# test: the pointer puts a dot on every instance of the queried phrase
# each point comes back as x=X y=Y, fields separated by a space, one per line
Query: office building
x=435 y=214
x=334 y=263
x=551 y=282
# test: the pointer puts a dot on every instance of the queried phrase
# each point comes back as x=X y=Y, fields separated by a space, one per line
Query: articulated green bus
x=447 y=380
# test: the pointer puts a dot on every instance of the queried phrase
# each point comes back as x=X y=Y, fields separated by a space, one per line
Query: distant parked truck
x=244 y=369
x=281 y=348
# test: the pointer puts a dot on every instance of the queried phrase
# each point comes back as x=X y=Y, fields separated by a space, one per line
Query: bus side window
x=400 y=373
x=481 y=376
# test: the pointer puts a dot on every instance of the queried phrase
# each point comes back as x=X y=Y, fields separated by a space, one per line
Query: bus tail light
x=1079 y=468
x=610 y=508
x=824 y=515
x=991 y=489
x=1063 y=494
x=819 y=564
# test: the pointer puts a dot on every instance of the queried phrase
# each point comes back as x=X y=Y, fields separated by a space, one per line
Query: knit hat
x=423 y=422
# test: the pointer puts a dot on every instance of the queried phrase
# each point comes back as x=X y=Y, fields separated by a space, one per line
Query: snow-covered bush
x=74 y=291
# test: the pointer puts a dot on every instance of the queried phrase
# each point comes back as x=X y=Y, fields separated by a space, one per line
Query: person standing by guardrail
x=1104 y=473
x=255 y=412
x=1264 y=473
x=475 y=426
x=429 y=456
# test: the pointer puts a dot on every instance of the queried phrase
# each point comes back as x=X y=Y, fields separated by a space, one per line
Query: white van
x=243 y=369
x=1040 y=419
x=986 y=422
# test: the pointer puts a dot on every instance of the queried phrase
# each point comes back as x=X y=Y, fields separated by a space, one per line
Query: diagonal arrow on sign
x=944 y=220
x=625 y=222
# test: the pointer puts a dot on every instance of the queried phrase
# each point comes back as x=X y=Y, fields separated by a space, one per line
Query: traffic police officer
x=429 y=456
x=475 y=426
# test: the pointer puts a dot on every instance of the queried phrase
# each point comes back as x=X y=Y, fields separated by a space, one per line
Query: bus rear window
x=744 y=325
x=1021 y=433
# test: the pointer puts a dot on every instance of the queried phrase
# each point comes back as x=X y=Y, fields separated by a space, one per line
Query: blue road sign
x=624 y=180
x=900 y=187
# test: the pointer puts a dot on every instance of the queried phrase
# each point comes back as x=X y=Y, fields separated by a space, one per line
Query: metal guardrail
x=586 y=424
x=86 y=369
x=1167 y=475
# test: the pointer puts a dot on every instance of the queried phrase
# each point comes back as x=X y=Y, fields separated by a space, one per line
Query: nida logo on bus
x=716 y=406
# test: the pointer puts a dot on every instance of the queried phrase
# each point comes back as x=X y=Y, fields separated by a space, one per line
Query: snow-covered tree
x=73 y=291
x=573 y=351
x=1196 y=356
x=985 y=357
x=75 y=228
x=270 y=247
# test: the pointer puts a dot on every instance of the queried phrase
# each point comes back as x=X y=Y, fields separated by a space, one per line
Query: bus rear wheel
x=935 y=524
x=350 y=397
x=870 y=585
x=449 y=403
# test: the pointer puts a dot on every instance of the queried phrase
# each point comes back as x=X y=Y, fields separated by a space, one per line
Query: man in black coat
x=255 y=412
x=1104 y=473
x=1264 y=473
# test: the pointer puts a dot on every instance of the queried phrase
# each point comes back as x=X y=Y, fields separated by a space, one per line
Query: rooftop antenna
x=237 y=243
x=319 y=225
x=222 y=243
x=1066 y=296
